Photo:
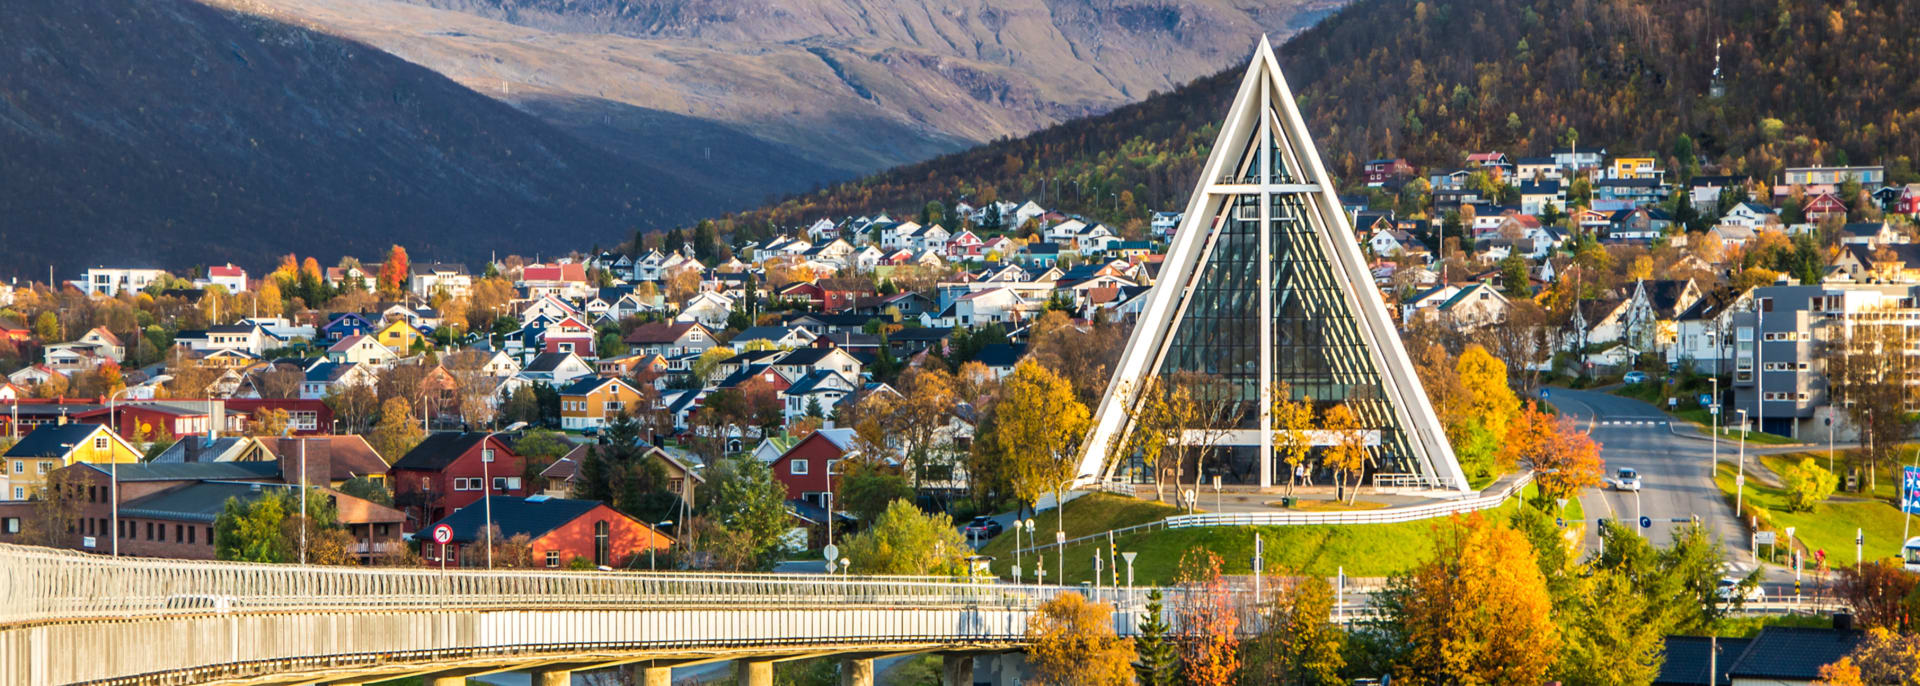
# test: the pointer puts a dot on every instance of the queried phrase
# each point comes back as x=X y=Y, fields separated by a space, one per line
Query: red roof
x=228 y=271
x=554 y=272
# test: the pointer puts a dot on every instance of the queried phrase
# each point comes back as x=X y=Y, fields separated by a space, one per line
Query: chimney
x=193 y=448
x=1843 y=621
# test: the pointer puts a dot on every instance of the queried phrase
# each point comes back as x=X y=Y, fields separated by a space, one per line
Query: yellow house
x=1634 y=168
x=53 y=446
x=592 y=402
x=399 y=336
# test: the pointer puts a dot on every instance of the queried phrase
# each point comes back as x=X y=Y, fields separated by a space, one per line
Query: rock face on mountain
x=854 y=85
x=171 y=133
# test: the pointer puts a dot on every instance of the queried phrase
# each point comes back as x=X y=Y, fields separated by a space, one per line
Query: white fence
x=1485 y=501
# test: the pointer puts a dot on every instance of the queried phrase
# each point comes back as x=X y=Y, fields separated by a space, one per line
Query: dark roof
x=811 y=382
x=439 y=450
x=199 y=502
x=921 y=333
x=836 y=320
x=1863 y=228
x=546 y=362
x=534 y=516
x=195 y=471
x=1792 y=653
x=807 y=356
x=1687 y=660
x=761 y=333
x=1908 y=253
x=52 y=440
x=1001 y=354
x=1042 y=248
x=1664 y=295
x=658 y=332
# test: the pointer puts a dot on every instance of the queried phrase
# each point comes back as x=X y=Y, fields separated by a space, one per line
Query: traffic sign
x=1763 y=538
x=1559 y=522
x=443 y=534
x=831 y=552
x=1673 y=402
x=1544 y=394
x=1646 y=522
x=1715 y=409
x=1706 y=398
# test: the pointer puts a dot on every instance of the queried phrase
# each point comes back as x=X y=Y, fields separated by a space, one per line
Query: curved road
x=1675 y=468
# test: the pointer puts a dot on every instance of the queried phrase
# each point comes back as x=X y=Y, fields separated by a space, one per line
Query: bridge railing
x=38 y=584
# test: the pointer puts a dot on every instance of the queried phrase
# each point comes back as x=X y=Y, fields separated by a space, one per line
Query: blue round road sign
x=1646 y=522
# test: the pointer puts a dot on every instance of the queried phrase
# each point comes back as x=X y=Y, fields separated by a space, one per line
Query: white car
x=1730 y=590
x=1626 y=480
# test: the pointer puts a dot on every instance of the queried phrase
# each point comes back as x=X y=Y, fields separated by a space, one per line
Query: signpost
x=1128 y=556
x=443 y=535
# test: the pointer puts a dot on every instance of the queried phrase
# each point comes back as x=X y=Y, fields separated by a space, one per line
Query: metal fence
x=1477 y=503
x=38 y=584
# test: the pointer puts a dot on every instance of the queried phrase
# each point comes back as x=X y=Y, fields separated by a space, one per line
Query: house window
x=553 y=558
x=100 y=443
x=499 y=483
x=10 y=525
x=486 y=454
x=43 y=466
x=600 y=551
x=19 y=467
x=797 y=467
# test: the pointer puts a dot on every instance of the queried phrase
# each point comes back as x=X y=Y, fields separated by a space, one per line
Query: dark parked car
x=983 y=528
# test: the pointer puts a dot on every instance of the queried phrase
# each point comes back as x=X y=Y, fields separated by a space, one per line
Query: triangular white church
x=1263 y=283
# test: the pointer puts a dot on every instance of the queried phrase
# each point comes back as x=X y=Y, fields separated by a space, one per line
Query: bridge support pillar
x=656 y=676
x=444 y=680
x=753 y=673
x=956 y=669
x=856 y=672
x=552 y=677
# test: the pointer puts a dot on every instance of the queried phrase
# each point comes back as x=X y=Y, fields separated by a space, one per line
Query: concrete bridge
x=68 y=617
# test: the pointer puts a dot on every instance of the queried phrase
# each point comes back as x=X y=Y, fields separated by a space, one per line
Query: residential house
x=324 y=377
x=344 y=325
x=402 y=337
x=807 y=470
x=1820 y=206
x=708 y=309
x=112 y=281
x=566 y=280
x=1537 y=169
x=1472 y=307
x=1889 y=263
x=556 y=369
x=51 y=447
x=1870 y=234
x=1751 y=215
x=560 y=533
x=429 y=279
x=451 y=470
x=594 y=402
x=1537 y=196
x=670 y=339
x=227 y=276
x=1381 y=171
x=358 y=349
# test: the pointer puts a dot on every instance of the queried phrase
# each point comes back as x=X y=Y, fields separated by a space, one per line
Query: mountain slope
x=1805 y=83
x=171 y=133
x=852 y=85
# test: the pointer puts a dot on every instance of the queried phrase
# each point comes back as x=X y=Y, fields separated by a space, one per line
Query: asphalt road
x=1675 y=468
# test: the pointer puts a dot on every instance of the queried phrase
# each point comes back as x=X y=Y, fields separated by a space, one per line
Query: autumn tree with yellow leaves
x=1478 y=612
x=1037 y=431
x=1072 y=643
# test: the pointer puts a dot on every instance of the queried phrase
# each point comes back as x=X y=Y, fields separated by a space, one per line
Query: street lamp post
x=650 y=546
x=1740 y=481
x=1713 y=417
x=113 y=465
x=486 y=480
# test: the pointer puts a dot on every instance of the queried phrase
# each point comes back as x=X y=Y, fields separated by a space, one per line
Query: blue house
x=346 y=324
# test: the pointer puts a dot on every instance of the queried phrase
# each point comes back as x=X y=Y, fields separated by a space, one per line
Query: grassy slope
x=1362 y=549
x=1830 y=525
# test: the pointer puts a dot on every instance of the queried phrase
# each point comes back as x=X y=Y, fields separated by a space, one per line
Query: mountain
x=170 y=133
x=853 y=86
x=1431 y=80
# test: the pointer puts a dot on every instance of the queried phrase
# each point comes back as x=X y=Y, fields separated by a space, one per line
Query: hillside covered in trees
x=1430 y=80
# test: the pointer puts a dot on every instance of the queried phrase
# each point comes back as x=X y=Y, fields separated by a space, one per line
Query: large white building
x=113 y=280
x=1264 y=283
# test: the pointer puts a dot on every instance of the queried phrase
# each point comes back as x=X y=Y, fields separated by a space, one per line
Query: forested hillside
x=1805 y=82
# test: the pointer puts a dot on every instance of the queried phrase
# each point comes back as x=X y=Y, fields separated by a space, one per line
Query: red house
x=558 y=530
x=1909 y=202
x=802 y=292
x=807 y=469
x=1824 y=205
x=451 y=470
x=568 y=335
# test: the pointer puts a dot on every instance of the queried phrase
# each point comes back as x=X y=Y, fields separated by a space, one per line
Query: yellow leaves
x=1292 y=419
x=1073 y=643
x=1483 y=384
x=1039 y=426
x=1479 y=612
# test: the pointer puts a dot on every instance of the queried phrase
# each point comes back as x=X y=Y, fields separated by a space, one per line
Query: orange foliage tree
x=1478 y=612
x=1564 y=459
x=393 y=272
x=1208 y=621
x=1073 y=643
